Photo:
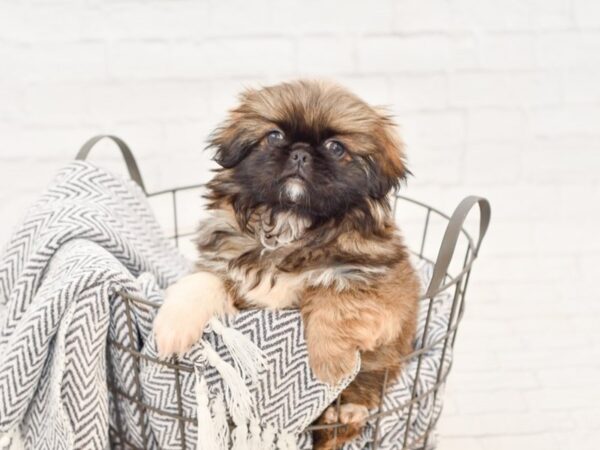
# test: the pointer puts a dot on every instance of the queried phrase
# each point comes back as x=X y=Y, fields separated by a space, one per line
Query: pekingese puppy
x=300 y=218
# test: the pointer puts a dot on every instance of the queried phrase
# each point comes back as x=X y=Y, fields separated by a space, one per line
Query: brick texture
x=500 y=99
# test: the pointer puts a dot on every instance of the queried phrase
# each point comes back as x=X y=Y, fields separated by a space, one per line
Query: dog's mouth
x=293 y=187
x=293 y=175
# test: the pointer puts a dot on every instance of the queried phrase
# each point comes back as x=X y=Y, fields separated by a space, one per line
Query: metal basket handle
x=451 y=234
x=132 y=167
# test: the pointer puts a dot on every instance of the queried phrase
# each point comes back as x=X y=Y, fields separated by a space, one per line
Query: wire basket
x=432 y=236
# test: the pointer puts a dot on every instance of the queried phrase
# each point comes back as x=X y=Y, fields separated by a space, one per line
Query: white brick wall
x=496 y=98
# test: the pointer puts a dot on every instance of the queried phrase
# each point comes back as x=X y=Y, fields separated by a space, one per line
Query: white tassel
x=254 y=441
x=220 y=421
x=268 y=437
x=239 y=399
x=286 y=441
x=247 y=356
x=11 y=440
x=239 y=436
x=206 y=432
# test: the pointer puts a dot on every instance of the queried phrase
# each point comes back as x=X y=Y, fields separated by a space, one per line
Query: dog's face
x=310 y=147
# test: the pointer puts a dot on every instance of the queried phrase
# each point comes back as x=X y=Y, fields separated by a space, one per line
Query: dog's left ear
x=391 y=165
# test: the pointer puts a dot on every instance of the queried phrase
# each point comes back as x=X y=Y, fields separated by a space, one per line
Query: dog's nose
x=300 y=156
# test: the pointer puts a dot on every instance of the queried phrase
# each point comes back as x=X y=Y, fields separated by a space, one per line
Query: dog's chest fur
x=283 y=292
x=250 y=261
x=270 y=266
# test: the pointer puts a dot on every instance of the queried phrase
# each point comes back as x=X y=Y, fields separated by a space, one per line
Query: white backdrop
x=500 y=99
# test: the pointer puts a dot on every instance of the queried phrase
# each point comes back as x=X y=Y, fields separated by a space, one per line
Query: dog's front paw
x=177 y=327
x=352 y=415
x=189 y=304
x=349 y=413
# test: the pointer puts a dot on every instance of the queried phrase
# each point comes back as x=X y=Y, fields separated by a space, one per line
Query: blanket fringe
x=247 y=434
x=238 y=395
x=268 y=437
x=219 y=414
x=286 y=441
x=254 y=440
x=247 y=356
x=207 y=439
x=239 y=436
x=11 y=440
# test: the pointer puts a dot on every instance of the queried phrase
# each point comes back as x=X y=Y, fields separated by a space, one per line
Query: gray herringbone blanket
x=91 y=237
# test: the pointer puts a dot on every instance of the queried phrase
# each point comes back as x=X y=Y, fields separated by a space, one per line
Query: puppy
x=300 y=218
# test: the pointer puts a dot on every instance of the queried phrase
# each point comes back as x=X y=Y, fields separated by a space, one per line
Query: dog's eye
x=275 y=137
x=335 y=148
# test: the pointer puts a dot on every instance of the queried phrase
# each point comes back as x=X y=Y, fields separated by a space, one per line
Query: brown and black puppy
x=300 y=218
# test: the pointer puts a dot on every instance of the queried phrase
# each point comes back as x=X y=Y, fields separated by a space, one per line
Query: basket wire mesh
x=451 y=274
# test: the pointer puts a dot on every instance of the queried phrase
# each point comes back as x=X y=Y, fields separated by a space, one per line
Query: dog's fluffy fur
x=300 y=218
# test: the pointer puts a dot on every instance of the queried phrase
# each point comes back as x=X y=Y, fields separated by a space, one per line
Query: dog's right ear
x=233 y=140
x=243 y=129
x=231 y=144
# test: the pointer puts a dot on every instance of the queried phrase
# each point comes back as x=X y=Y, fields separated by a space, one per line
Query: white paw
x=353 y=413
x=348 y=413
x=177 y=327
x=330 y=415
x=189 y=304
